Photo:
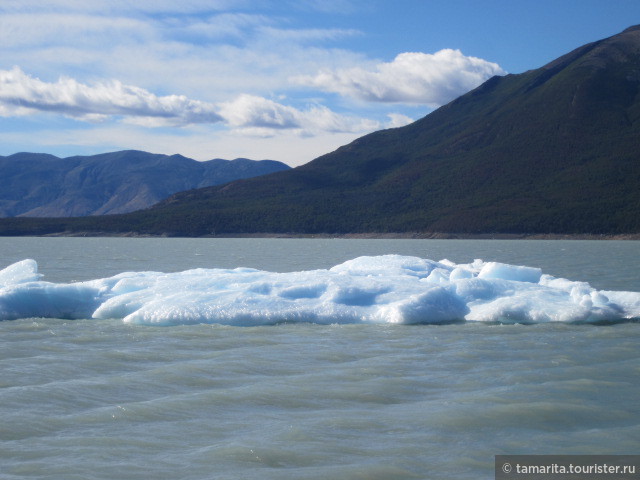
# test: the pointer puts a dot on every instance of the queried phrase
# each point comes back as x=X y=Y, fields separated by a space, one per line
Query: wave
x=383 y=289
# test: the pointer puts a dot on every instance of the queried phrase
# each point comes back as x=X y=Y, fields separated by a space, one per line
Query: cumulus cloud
x=412 y=77
x=262 y=115
x=254 y=111
x=21 y=94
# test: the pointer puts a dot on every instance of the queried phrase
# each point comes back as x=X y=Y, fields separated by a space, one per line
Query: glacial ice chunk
x=382 y=289
x=20 y=272
x=510 y=272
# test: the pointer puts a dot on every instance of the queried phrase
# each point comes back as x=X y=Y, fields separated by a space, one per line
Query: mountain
x=551 y=150
x=41 y=185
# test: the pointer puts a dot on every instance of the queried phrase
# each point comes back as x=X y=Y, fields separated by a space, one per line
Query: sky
x=288 y=80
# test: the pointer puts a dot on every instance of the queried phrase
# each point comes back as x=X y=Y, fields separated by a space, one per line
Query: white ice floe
x=383 y=289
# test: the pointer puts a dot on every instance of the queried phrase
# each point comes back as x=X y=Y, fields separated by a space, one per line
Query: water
x=91 y=399
x=606 y=265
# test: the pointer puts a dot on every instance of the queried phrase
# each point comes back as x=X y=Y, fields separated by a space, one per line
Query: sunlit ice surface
x=388 y=289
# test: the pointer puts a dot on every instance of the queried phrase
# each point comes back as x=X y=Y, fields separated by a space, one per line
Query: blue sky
x=279 y=79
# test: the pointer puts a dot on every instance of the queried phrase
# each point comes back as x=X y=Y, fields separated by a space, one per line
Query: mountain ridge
x=115 y=182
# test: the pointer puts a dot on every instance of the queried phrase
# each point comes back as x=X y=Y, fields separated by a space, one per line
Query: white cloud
x=398 y=120
x=173 y=6
x=111 y=6
x=329 y=6
x=307 y=35
x=258 y=112
x=21 y=94
x=412 y=77
x=261 y=116
x=214 y=27
x=211 y=56
x=25 y=30
x=324 y=119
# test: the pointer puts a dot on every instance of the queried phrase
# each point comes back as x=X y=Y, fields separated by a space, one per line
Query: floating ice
x=383 y=289
x=20 y=272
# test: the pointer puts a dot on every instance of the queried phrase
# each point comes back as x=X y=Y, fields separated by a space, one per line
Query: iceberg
x=381 y=289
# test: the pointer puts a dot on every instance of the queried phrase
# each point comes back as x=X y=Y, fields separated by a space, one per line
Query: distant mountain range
x=551 y=150
x=41 y=185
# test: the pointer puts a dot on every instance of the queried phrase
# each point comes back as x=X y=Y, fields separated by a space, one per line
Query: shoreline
x=369 y=236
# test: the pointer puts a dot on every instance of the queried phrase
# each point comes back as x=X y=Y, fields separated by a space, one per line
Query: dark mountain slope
x=47 y=186
x=551 y=150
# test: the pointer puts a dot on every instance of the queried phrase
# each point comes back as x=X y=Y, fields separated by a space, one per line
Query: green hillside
x=552 y=150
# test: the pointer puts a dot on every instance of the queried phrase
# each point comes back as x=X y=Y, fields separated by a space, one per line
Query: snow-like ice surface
x=383 y=289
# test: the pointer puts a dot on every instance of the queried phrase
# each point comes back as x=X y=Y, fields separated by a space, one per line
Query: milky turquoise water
x=89 y=399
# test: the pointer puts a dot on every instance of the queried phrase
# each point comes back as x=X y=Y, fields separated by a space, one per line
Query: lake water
x=100 y=399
